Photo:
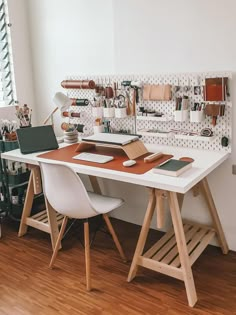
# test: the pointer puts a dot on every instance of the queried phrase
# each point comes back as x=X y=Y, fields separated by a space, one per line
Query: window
x=7 y=83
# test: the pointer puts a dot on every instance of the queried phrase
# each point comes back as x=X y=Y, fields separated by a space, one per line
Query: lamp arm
x=50 y=115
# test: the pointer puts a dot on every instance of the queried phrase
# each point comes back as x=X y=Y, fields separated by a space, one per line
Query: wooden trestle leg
x=182 y=249
x=214 y=215
x=143 y=234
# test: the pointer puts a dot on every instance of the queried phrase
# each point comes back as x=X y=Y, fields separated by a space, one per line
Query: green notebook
x=172 y=167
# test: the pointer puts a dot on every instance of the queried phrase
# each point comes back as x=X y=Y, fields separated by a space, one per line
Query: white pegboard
x=183 y=80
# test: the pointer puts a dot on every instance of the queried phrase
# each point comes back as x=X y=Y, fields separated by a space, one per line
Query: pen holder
x=197 y=116
x=120 y=112
x=26 y=126
x=181 y=115
x=98 y=129
x=97 y=112
x=11 y=136
x=8 y=145
x=109 y=112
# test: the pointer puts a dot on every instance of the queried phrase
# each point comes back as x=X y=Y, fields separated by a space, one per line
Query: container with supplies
x=109 y=112
x=197 y=113
x=98 y=127
x=120 y=112
x=181 y=108
x=181 y=115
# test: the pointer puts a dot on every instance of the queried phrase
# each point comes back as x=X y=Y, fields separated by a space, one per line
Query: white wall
x=174 y=36
x=157 y=36
x=22 y=56
x=68 y=37
x=136 y=36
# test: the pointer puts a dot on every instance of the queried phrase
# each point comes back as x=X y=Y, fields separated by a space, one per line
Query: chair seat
x=104 y=204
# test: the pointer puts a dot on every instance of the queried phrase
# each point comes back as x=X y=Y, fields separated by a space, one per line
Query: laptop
x=36 y=139
x=111 y=138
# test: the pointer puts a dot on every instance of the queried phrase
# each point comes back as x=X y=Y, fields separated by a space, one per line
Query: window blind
x=7 y=84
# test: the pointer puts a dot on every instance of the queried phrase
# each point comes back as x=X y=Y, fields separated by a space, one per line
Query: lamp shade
x=62 y=101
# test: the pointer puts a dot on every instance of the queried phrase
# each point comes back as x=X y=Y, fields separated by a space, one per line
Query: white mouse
x=129 y=163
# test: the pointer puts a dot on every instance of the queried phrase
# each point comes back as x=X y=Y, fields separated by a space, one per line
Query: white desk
x=204 y=163
x=175 y=253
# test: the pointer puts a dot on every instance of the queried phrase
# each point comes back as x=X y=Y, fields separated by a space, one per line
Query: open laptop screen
x=36 y=139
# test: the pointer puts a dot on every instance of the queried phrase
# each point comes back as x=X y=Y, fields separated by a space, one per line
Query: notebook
x=35 y=139
x=111 y=138
x=172 y=167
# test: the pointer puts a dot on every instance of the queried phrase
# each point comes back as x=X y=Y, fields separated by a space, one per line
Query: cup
x=181 y=115
x=120 y=112
x=197 y=116
x=109 y=112
x=98 y=129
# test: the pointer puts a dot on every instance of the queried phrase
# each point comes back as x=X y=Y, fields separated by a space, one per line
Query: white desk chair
x=66 y=193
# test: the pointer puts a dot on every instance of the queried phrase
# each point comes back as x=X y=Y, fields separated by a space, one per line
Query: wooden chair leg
x=114 y=236
x=58 y=242
x=143 y=235
x=52 y=221
x=182 y=249
x=87 y=255
x=214 y=215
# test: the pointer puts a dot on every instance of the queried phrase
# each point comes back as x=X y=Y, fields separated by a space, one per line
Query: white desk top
x=204 y=163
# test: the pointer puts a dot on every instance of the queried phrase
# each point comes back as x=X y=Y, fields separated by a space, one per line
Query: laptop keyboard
x=93 y=157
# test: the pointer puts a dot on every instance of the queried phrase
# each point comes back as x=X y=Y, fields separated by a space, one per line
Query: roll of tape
x=80 y=128
x=80 y=102
x=78 y=84
x=67 y=127
x=72 y=114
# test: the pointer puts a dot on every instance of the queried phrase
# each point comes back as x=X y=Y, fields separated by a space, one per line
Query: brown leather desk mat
x=66 y=155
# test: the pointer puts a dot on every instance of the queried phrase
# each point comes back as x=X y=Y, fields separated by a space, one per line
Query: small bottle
x=1 y=194
x=23 y=197
x=14 y=196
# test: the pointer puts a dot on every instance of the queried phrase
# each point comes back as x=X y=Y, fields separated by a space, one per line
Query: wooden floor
x=27 y=286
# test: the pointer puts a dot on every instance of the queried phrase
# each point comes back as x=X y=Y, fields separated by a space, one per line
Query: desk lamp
x=62 y=102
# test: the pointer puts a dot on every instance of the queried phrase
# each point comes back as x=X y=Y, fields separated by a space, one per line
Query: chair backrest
x=65 y=191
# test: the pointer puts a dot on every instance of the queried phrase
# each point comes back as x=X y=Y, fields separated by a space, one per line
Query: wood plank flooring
x=27 y=286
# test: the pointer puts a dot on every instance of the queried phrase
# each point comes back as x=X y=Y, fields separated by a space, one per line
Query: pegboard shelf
x=195 y=138
x=155 y=134
x=172 y=135
x=229 y=104
x=163 y=118
x=125 y=117
x=134 y=124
